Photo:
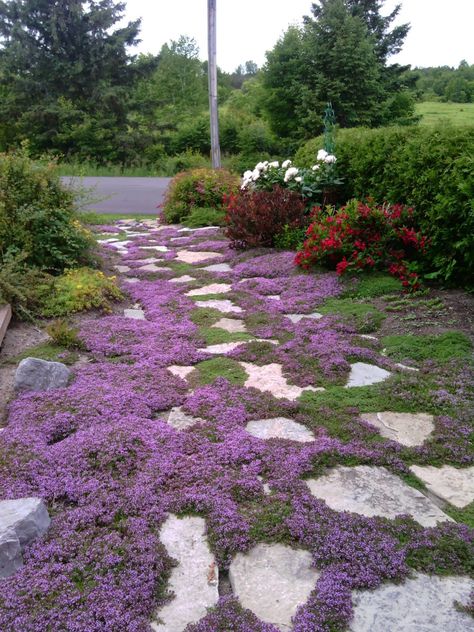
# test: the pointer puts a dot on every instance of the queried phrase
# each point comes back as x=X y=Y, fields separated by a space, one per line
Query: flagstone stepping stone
x=181 y=371
x=295 y=318
x=218 y=267
x=182 y=279
x=34 y=374
x=152 y=267
x=179 y=420
x=121 y=244
x=363 y=374
x=405 y=367
x=157 y=248
x=454 y=485
x=21 y=521
x=222 y=305
x=374 y=491
x=213 y=288
x=367 y=336
x=195 y=230
x=136 y=314
x=189 y=256
x=409 y=429
x=132 y=280
x=194 y=581
x=273 y=580
x=222 y=348
x=107 y=241
x=279 y=428
x=148 y=260
x=232 y=325
x=122 y=268
x=274 y=297
x=269 y=377
x=422 y=603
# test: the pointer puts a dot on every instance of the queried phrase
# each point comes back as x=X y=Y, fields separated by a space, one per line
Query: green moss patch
x=364 y=316
x=208 y=371
x=442 y=348
x=373 y=286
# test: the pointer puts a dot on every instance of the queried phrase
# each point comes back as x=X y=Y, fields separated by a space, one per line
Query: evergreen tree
x=66 y=71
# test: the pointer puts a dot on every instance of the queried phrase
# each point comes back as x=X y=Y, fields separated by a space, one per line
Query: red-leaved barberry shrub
x=362 y=236
x=254 y=218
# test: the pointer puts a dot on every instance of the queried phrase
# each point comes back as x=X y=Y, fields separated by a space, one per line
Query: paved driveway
x=122 y=195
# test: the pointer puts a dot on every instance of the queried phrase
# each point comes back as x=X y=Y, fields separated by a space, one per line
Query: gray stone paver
x=222 y=305
x=196 y=256
x=363 y=374
x=194 y=581
x=213 y=288
x=454 y=485
x=409 y=429
x=218 y=267
x=222 y=348
x=422 y=603
x=180 y=420
x=135 y=314
x=269 y=377
x=279 y=428
x=296 y=318
x=374 y=491
x=182 y=279
x=232 y=325
x=272 y=580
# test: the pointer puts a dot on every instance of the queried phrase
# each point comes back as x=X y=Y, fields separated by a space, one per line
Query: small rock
x=179 y=420
x=122 y=269
x=232 y=325
x=213 y=288
x=157 y=248
x=222 y=348
x=421 y=604
x=182 y=279
x=34 y=374
x=452 y=484
x=132 y=280
x=295 y=318
x=363 y=374
x=189 y=256
x=194 y=581
x=218 y=267
x=222 y=305
x=279 y=428
x=152 y=267
x=272 y=580
x=406 y=428
x=135 y=314
x=10 y=553
x=269 y=377
x=181 y=371
x=27 y=517
x=274 y=297
x=374 y=491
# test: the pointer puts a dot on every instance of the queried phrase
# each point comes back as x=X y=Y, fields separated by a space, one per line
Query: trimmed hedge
x=429 y=168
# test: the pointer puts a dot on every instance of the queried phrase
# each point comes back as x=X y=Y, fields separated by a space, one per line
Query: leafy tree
x=66 y=70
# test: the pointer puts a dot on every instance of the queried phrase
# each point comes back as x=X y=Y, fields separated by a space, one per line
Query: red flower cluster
x=365 y=236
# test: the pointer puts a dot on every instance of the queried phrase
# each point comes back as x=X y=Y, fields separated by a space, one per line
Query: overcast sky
x=441 y=33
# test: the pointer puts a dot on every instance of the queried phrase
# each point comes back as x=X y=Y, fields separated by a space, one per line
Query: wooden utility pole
x=212 y=74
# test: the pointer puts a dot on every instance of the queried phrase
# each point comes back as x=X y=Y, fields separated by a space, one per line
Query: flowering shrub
x=197 y=188
x=365 y=236
x=255 y=217
x=309 y=183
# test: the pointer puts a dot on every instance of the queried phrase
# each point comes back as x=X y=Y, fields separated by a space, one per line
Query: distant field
x=456 y=113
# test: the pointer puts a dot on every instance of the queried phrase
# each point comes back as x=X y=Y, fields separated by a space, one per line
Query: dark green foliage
x=364 y=317
x=206 y=216
x=18 y=285
x=429 y=168
x=372 y=286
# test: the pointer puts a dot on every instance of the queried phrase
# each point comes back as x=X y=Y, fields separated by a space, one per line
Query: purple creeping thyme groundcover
x=111 y=469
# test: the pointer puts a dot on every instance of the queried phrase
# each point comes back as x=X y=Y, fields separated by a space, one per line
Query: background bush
x=429 y=168
x=37 y=216
x=255 y=218
x=197 y=188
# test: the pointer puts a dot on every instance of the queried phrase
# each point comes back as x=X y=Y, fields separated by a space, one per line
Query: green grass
x=466 y=514
x=205 y=316
x=208 y=371
x=45 y=351
x=433 y=113
x=217 y=336
x=442 y=348
x=98 y=219
x=373 y=286
x=365 y=317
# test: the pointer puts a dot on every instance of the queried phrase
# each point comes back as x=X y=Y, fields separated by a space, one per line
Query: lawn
x=455 y=113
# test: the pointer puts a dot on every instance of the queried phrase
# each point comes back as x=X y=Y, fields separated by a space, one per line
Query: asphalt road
x=121 y=195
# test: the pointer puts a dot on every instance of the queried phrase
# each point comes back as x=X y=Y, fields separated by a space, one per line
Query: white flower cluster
x=260 y=168
x=323 y=156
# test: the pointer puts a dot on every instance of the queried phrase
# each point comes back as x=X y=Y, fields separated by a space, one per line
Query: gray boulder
x=21 y=521
x=34 y=374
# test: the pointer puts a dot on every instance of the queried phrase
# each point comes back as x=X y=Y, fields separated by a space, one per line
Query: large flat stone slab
x=156 y=248
x=363 y=374
x=190 y=256
x=11 y=558
x=272 y=580
x=232 y=325
x=122 y=269
x=420 y=604
x=218 y=267
x=34 y=374
x=269 y=378
x=279 y=428
x=222 y=348
x=152 y=267
x=295 y=318
x=182 y=279
x=194 y=581
x=180 y=371
x=135 y=314
x=452 y=484
x=409 y=429
x=180 y=420
x=374 y=491
x=222 y=305
x=213 y=288
x=27 y=517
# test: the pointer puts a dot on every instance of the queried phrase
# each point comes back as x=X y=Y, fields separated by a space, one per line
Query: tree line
x=71 y=85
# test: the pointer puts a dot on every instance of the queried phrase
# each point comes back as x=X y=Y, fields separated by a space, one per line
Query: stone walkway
x=268 y=518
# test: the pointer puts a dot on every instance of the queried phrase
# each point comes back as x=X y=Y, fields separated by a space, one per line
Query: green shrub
x=205 y=217
x=37 y=216
x=198 y=188
x=429 y=168
x=64 y=335
x=78 y=290
x=18 y=286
